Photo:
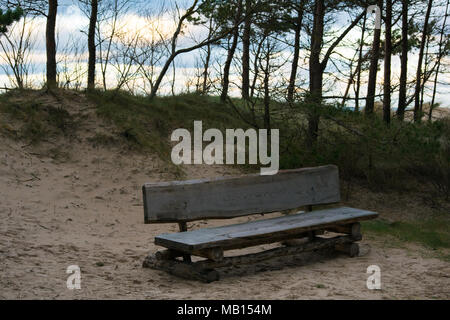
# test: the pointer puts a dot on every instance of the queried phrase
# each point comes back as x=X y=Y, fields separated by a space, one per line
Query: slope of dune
x=71 y=201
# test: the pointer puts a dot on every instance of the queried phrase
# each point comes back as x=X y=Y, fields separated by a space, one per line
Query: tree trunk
x=417 y=113
x=315 y=71
x=161 y=76
x=404 y=63
x=441 y=44
x=246 y=50
x=425 y=71
x=293 y=77
x=231 y=51
x=350 y=81
x=317 y=68
x=387 y=64
x=227 y=67
x=206 y=69
x=359 y=67
x=51 y=44
x=255 y=66
x=267 y=91
x=375 y=56
x=207 y=60
x=91 y=45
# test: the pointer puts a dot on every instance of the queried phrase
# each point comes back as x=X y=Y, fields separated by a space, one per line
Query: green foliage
x=147 y=125
x=8 y=17
x=100 y=139
x=269 y=16
x=37 y=121
x=365 y=148
x=432 y=233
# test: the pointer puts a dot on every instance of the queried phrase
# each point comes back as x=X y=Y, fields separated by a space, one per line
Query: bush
x=366 y=148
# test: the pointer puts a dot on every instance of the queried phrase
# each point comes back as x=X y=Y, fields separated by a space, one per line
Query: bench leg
x=181 y=269
x=352 y=249
x=183 y=228
x=206 y=270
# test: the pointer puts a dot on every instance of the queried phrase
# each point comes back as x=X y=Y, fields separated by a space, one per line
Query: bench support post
x=352 y=249
x=353 y=229
x=205 y=270
x=183 y=228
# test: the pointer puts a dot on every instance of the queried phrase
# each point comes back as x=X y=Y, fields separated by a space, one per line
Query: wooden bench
x=185 y=201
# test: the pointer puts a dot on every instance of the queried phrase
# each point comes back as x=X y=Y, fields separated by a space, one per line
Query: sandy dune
x=86 y=211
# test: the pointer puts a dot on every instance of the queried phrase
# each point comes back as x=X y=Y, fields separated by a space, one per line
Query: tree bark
x=246 y=50
x=267 y=90
x=417 y=111
x=91 y=45
x=441 y=44
x=359 y=67
x=317 y=68
x=315 y=71
x=425 y=71
x=207 y=60
x=206 y=69
x=297 y=29
x=351 y=80
x=231 y=51
x=51 y=44
x=404 y=63
x=375 y=56
x=387 y=64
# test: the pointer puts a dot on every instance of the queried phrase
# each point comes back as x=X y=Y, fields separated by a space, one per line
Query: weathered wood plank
x=240 y=196
x=182 y=269
x=183 y=228
x=215 y=254
x=261 y=231
x=205 y=270
x=253 y=258
x=352 y=249
x=353 y=229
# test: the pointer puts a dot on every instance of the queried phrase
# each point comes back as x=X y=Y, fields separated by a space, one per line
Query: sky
x=72 y=23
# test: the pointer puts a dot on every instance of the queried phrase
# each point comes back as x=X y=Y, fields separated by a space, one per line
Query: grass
x=101 y=139
x=147 y=125
x=35 y=121
x=432 y=233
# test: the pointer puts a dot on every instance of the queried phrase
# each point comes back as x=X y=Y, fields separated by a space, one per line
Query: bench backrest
x=222 y=198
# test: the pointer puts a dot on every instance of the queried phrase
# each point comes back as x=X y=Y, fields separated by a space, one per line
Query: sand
x=86 y=210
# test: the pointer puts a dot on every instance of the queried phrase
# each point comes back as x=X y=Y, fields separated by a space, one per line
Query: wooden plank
x=240 y=196
x=205 y=270
x=353 y=229
x=352 y=249
x=261 y=231
x=253 y=258
x=215 y=254
x=183 y=228
x=182 y=269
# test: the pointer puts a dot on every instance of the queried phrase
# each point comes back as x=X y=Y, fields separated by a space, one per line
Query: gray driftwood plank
x=205 y=270
x=268 y=230
x=240 y=196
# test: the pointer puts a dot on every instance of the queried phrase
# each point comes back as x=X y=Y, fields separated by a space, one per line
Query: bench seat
x=261 y=231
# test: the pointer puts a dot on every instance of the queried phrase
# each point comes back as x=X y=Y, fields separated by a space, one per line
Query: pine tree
x=8 y=17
